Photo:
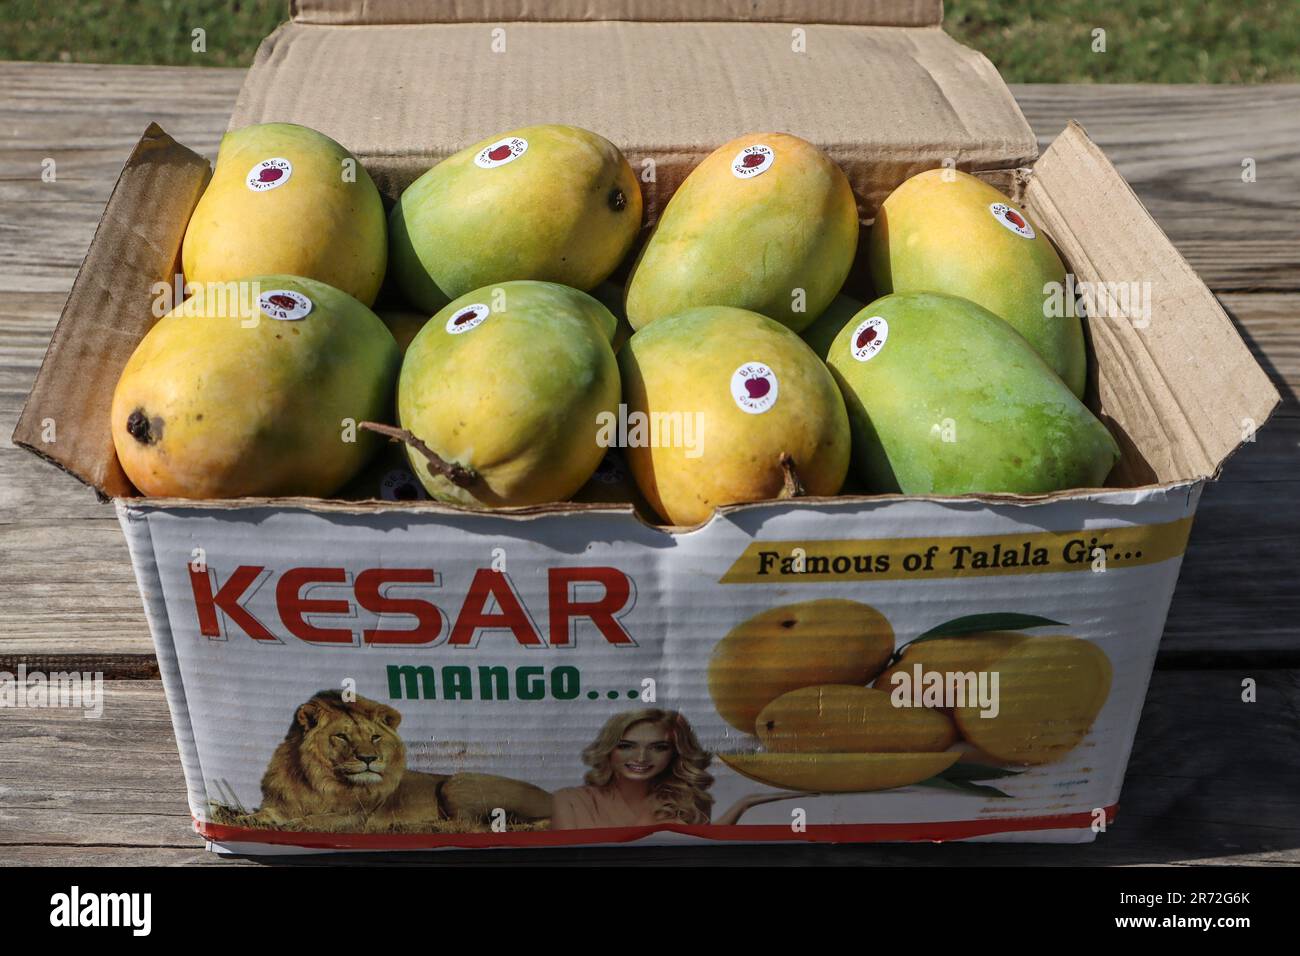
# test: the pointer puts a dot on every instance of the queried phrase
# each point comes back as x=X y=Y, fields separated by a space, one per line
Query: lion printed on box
x=342 y=766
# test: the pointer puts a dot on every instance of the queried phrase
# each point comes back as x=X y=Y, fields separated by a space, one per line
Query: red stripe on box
x=816 y=833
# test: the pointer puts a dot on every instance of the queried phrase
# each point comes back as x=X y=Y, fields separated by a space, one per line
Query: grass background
x=1030 y=41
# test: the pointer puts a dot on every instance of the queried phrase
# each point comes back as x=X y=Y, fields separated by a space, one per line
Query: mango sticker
x=1012 y=219
x=284 y=305
x=470 y=317
x=752 y=161
x=869 y=338
x=269 y=174
x=501 y=152
x=754 y=388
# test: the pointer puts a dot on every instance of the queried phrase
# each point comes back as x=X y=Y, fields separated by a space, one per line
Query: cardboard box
x=505 y=641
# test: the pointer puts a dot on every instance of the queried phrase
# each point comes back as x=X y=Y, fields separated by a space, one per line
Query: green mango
x=511 y=382
x=945 y=398
x=766 y=223
x=552 y=203
x=946 y=231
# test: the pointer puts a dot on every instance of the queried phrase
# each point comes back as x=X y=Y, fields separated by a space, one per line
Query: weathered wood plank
x=1182 y=148
x=96 y=790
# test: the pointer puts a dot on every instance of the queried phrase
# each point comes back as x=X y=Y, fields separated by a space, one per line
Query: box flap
x=136 y=245
x=893 y=13
x=1174 y=381
x=884 y=102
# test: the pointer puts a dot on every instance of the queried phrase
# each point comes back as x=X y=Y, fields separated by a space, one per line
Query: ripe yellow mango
x=1051 y=690
x=235 y=394
x=511 y=382
x=968 y=654
x=766 y=222
x=946 y=231
x=831 y=641
x=843 y=718
x=553 y=203
x=839 y=773
x=731 y=392
x=287 y=200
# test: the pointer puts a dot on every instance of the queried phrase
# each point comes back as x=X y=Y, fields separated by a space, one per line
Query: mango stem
x=791 y=486
x=458 y=475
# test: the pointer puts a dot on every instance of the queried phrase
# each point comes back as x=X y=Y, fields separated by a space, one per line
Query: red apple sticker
x=754 y=387
x=1011 y=219
x=869 y=338
x=269 y=174
x=284 y=305
x=470 y=317
x=752 y=161
x=501 y=152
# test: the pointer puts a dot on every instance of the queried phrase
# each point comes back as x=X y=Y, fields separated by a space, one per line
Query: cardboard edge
x=1245 y=370
x=621 y=512
x=81 y=327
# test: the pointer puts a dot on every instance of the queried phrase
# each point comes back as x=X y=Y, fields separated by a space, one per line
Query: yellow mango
x=829 y=641
x=839 y=773
x=946 y=231
x=233 y=394
x=732 y=392
x=1051 y=689
x=843 y=718
x=287 y=200
x=767 y=222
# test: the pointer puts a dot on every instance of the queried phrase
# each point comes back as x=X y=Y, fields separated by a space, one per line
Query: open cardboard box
x=506 y=640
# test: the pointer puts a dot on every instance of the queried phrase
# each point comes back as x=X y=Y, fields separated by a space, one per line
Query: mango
x=945 y=398
x=552 y=203
x=839 y=773
x=610 y=295
x=232 y=395
x=766 y=222
x=843 y=718
x=287 y=200
x=731 y=392
x=1051 y=690
x=510 y=383
x=946 y=231
x=404 y=325
x=822 y=332
x=967 y=654
x=830 y=641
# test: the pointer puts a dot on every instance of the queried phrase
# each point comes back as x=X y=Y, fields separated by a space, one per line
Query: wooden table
x=1212 y=779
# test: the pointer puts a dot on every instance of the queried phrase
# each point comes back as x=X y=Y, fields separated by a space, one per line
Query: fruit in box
x=236 y=394
x=829 y=641
x=726 y=396
x=843 y=718
x=945 y=398
x=946 y=231
x=552 y=203
x=287 y=200
x=766 y=222
x=510 y=384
